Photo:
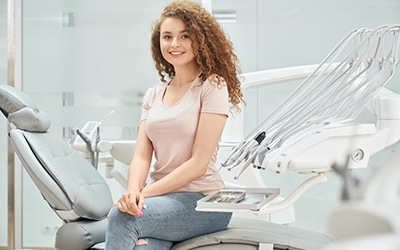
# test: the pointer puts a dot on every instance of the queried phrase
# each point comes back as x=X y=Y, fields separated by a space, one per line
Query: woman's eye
x=167 y=37
x=185 y=36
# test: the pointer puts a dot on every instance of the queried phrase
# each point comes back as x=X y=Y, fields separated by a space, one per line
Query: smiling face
x=175 y=43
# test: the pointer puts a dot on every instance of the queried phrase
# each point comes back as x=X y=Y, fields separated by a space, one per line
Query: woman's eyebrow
x=180 y=32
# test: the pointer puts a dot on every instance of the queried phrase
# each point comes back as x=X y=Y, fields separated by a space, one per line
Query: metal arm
x=328 y=100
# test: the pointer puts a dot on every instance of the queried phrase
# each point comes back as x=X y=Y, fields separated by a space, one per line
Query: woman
x=181 y=123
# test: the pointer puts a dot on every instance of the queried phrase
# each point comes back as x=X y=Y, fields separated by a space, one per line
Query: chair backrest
x=67 y=181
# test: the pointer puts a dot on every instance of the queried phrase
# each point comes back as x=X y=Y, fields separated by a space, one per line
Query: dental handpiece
x=234 y=154
x=246 y=165
x=255 y=142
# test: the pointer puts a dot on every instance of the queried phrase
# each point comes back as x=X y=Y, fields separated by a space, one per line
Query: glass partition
x=82 y=60
x=3 y=126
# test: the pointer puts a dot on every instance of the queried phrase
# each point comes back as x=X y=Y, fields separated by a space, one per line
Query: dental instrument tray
x=230 y=199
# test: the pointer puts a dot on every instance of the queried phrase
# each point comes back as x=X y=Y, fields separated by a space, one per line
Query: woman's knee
x=112 y=214
x=116 y=218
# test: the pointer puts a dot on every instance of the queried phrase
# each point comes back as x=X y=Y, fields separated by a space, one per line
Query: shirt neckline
x=192 y=84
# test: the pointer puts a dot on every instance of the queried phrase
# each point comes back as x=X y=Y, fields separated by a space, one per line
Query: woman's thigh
x=173 y=217
x=166 y=219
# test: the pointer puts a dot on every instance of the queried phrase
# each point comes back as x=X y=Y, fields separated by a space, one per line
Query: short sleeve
x=148 y=101
x=215 y=98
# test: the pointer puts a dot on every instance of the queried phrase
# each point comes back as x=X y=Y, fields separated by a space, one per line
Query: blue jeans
x=167 y=219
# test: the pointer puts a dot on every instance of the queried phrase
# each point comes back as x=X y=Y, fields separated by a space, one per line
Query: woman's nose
x=175 y=43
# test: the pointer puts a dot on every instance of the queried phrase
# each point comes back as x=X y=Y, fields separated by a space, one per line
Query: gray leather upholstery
x=21 y=111
x=69 y=183
x=249 y=233
x=74 y=235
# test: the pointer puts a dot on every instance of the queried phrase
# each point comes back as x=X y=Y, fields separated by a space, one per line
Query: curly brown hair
x=213 y=50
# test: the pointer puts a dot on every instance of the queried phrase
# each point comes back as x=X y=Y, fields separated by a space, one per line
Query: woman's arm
x=207 y=136
x=132 y=201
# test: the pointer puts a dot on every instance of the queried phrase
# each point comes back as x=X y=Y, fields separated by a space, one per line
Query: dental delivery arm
x=327 y=101
x=315 y=126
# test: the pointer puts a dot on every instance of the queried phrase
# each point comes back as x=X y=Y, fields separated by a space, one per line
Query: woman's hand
x=132 y=203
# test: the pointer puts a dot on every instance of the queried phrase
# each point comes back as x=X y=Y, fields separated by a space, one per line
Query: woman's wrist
x=145 y=192
x=133 y=189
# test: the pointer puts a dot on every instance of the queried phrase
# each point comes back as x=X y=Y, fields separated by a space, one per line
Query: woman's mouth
x=176 y=53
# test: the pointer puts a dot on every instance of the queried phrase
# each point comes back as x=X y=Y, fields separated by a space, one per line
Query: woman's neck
x=185 y=76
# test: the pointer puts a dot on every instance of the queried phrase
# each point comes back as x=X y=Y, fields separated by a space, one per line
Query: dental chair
x=69 y=183
x=79 y=195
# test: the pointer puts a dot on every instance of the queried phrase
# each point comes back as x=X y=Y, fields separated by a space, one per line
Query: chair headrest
x=22 y=111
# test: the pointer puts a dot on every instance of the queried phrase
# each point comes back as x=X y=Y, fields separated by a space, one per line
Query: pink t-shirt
x=172 y=130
